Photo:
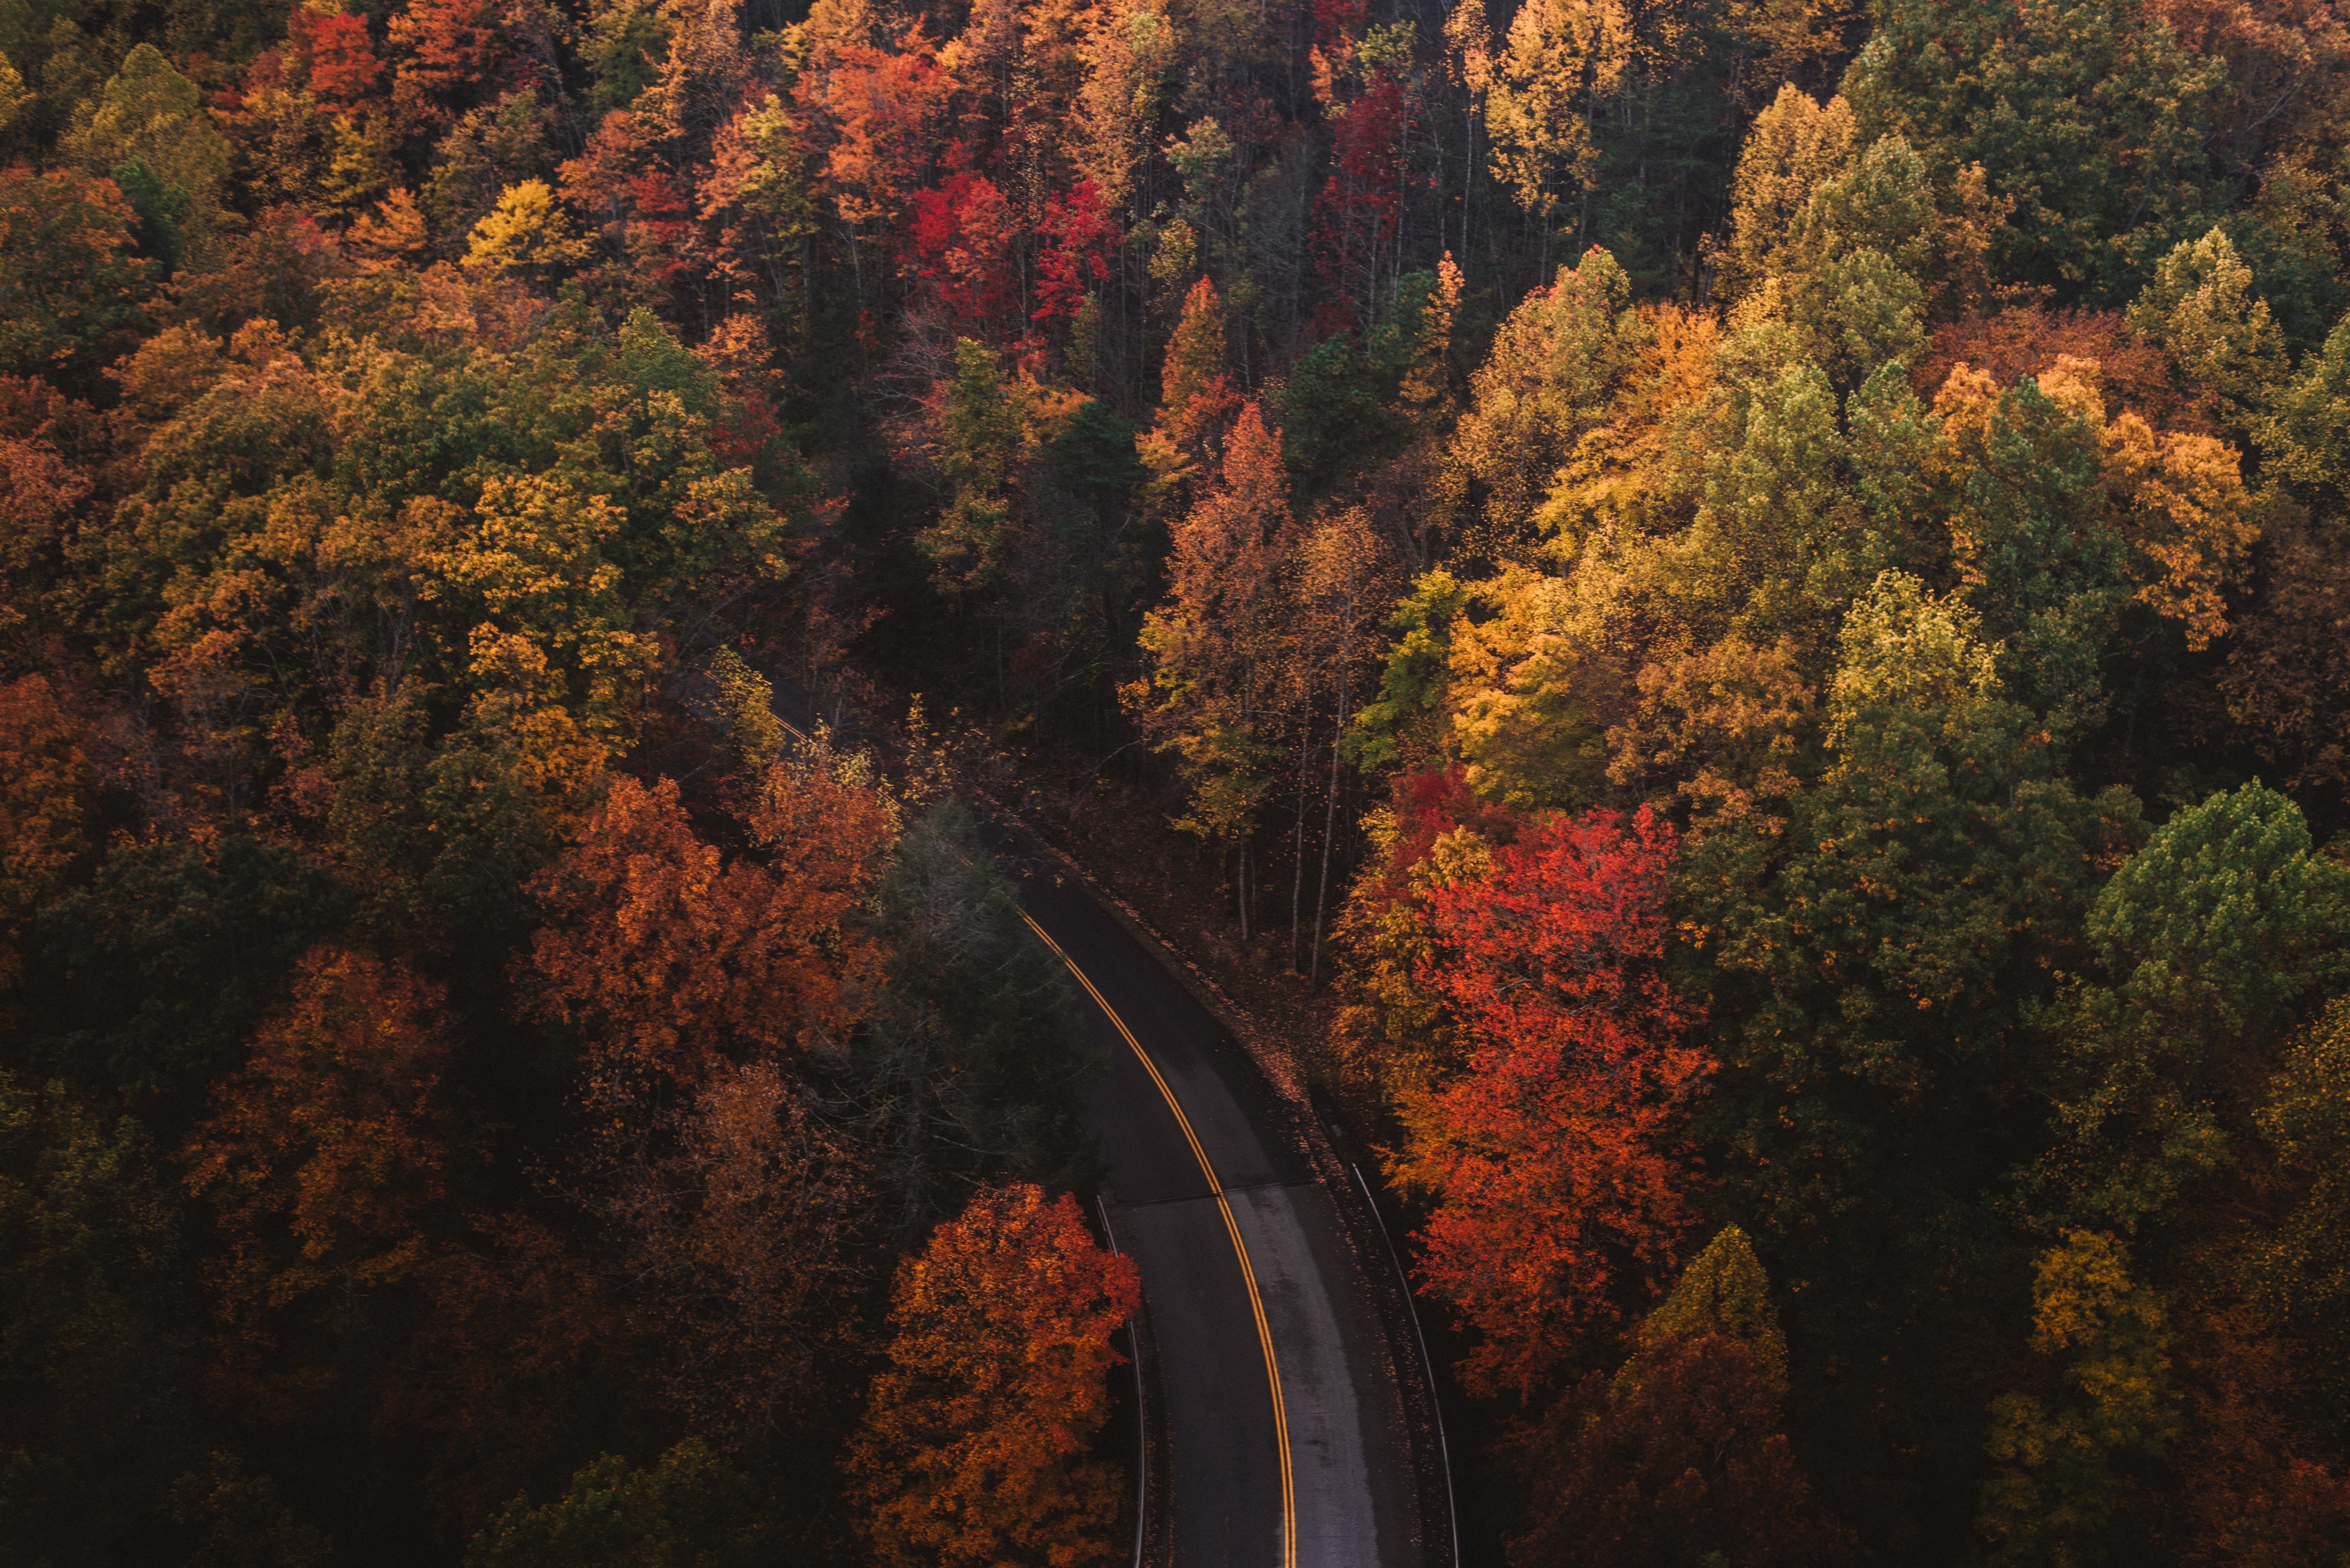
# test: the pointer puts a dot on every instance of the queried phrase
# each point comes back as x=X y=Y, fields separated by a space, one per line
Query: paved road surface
x=1211 y=1407
x=1353 y=1497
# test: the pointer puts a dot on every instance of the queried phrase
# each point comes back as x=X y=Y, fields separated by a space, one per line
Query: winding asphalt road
x=1275 y=1344
x=1246 y=1261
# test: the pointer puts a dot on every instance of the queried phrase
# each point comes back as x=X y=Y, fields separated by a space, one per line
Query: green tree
x=232 y=1518
x=690 y=1510
x=965 y=1071
x=1874 y=955
x=2033 y=538
x=2199 y=305
x=159 y=968
x=2208 y=941
x=2086 y=114
x=147 y=132
x=92 y=1327
x=2300 y=1271
x=1405 y=723
x=1780 y=545
x=67 y=282
x=2306 y=440
x=438 y=837
x=991 y=426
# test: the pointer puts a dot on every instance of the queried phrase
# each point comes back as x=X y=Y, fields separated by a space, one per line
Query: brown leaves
x=2288 y=678
x=44 y=782
x=735 y=1225
x=327 y=1155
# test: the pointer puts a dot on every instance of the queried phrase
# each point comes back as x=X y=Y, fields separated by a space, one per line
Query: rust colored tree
x=974 y=1449
x=664 y=957
x=328 y=1160
x=1195 y=396
x=45 y=784
x=734 y=1221
x=1689 y=1467
x=1216 y=649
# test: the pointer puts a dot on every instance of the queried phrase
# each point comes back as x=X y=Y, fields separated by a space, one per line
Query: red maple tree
x=335 y=53
x=1559 y=1160
x=1083 y=238
x=962 y=238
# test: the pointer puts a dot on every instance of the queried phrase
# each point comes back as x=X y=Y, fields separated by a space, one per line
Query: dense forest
x=1746 y=602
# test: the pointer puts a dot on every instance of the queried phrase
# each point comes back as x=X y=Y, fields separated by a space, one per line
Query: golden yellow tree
x=526 y=233
x=1560 y=58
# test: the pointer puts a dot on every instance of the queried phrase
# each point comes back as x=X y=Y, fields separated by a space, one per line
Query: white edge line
x=1435 y=1401
x=1141 y=1425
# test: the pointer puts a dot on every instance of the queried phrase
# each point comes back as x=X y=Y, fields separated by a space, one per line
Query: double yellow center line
x=1231 y=1227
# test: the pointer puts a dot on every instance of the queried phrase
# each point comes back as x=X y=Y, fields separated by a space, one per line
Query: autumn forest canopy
x=1738 y=610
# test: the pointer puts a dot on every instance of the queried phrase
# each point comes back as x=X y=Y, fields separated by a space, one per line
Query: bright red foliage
x=1428 y=806
x=1355 y=216
x=1559 y=1161
x=1083 y=238
x=335 y=52
x=660 y=233
x=959 y=241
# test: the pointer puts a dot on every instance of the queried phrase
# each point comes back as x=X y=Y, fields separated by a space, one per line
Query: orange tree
x=973 y=1449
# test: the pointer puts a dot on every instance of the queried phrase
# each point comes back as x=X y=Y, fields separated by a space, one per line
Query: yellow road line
x=1231 y=1227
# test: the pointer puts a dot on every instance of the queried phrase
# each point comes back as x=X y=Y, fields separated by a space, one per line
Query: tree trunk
x=1242 y=882
x=1297 y=876
x=1329 y=831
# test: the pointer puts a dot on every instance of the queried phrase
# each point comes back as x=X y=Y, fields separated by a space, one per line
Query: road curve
x=1321 y=1475
x=1213 y=1424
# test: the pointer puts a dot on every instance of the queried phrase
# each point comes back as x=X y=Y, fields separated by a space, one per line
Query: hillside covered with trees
x=1745 y=603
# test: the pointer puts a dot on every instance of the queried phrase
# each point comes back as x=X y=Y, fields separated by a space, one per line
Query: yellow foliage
x=526 y=232
x=1127 y=58
x=2058 y=1491
x=1796 y=145
x=1723 y=1291
x=1615 y=468
x=1534 y=689
x=14 y=95
x=1559 y=56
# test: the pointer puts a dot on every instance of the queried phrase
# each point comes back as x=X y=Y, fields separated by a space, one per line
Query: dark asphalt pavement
x=1219 y=1500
